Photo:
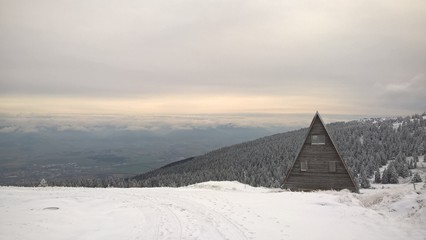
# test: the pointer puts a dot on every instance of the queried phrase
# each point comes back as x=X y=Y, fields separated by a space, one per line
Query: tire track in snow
x=168 y=224
x=240 y=232
x=182 y=218
x=166 y=214
x=143 y=203
x=176 y=218
x=222 y=224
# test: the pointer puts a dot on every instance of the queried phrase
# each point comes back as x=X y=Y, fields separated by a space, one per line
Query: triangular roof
x=318 y=116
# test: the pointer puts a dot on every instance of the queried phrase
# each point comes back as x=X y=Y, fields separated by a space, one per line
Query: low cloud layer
x=335 y=55
x=32 y=123
x=29 y=123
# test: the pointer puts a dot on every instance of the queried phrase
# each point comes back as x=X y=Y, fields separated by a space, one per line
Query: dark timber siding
x=317 y=176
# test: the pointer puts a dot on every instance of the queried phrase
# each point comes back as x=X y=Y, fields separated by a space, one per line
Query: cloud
x=30 y=123
x=409 y=95
x=333 y=51
x=181 y=104
x=8 y=129
x=415 y=85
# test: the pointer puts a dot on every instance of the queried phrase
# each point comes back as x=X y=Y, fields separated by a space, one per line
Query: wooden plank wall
x=318 y=177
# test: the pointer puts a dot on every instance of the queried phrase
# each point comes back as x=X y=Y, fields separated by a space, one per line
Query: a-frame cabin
x=318 y=164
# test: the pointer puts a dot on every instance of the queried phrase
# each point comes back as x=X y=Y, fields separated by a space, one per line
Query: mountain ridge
x=365 y=145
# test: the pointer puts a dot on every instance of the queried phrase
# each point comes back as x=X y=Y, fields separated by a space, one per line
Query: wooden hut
x=318 y=165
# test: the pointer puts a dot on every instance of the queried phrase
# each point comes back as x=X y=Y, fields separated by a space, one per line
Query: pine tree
x=385 y=176
x=416 y=178
x=43 y=183
x=377 y=177
x=405 y=171
x=399 y=167
x=416 y=157
x=383 y=159
x=392 y=174
x=365 y=183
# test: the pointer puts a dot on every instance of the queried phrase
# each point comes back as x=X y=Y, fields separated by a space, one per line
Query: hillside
x=211 y=210
x=365 y=145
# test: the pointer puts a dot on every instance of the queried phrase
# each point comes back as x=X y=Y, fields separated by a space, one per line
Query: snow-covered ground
x=212 y=210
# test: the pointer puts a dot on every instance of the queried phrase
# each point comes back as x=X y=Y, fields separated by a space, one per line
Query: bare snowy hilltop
x=212 y=210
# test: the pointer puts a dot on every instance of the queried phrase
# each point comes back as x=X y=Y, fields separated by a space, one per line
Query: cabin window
x=304 y=166
x=332 y=166
x=318 y=139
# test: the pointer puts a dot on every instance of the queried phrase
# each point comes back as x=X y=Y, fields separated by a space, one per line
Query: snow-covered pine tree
x=405 y=171
x=392 y=174
x=43 y=183
x=377 y=177
x=365 y=183
x=416 y=178
x=411 y=164
x=415 y=156
x=385 y=176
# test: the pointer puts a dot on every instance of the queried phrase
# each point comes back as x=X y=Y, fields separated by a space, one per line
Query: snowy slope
x=212 y=210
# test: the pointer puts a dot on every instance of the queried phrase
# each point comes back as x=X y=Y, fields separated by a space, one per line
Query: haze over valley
x=33 y=147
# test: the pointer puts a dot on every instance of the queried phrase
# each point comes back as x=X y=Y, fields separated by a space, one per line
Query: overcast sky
x=213 y=56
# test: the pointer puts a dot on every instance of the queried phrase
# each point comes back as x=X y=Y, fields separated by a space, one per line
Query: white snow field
x=212 y=210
